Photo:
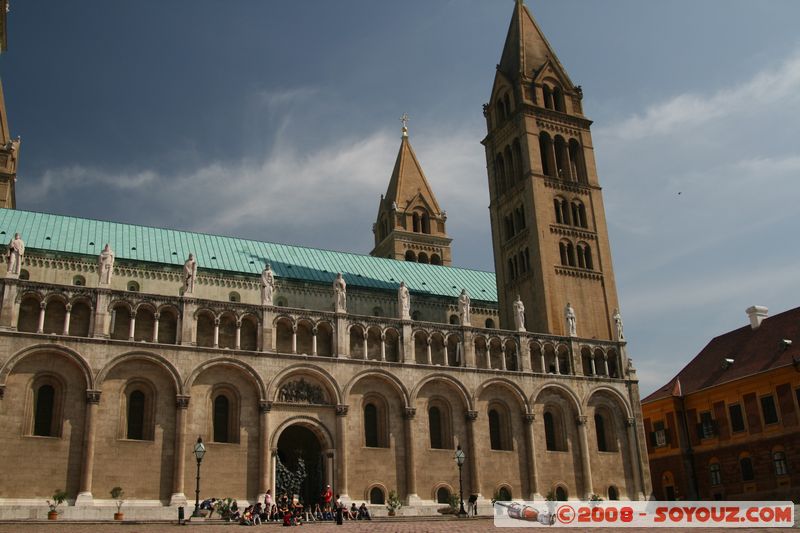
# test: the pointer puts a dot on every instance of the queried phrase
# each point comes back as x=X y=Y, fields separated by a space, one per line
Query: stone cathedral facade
x=108 y=374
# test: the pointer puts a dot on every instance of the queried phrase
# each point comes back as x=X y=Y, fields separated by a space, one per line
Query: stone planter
x=119 y=516
x=52 y=515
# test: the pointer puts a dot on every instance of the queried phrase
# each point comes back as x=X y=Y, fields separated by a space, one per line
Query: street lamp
x=460 y=457
x=199 y=452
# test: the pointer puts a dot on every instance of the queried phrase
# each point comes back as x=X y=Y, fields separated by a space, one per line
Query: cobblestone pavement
x=420 y=526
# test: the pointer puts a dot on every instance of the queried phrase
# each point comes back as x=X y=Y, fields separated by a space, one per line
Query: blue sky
x=279 y=121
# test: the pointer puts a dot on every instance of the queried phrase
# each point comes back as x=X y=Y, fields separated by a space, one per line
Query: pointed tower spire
x=410 y=225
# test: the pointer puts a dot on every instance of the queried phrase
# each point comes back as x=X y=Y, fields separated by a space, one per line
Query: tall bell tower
x=549 y=233
x=9 y=148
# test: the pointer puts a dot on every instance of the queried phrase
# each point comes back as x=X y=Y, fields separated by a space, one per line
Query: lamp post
x=199 y=452
x=460 y=457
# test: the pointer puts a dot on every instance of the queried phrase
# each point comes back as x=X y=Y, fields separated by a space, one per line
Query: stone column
x=40 y=327
x=101 y=317
x=267 y=340
x=544 y=362
x=630 y=425
x=179 y=455
x=411 y=472
x=341 y=449
x=469 y=349
x=274 y=469
x=530 y=444
x=525 y=355
x=294 y=338
x=585 y=459
x=156 y=317
x=407 y=343
x=555 y=360
x=314 y=341
x=428 y=352
x=216 y=333
x=264 y=483
x=132 y=327
x=383 y=346
x=238 y=340
x=10 y=310
x=605 y=365
x=591 y=360
x=473 y=457
x=87 y=460
x=503 y=365
x=366 y=344
x=67 y=319
x=329 y=468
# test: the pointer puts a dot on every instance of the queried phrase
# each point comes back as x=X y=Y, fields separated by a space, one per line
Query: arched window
x=436 y=260
x=779 y=460
x=547 y=94
x=422 y=258
x=500 y=174
x=435 y=428
x=443 y=495
x=499 y=433
x=415 y=223
x=500 y=111
x=746 y=466
x=44 y=405
x=578 y=212
x=54 y=315
x=376 y=496
x=561 y=494
x=426 y=223
x=578 y=168
x=566 y=251
x=282 y=302
x=80 y=319
x=377 y=311
x=416 y=315
x=120 y=322
x=546 y=155
x=587 y=257
x=549 y=432
x=562 y=158
x=516 y=151
x=133 y=286
x=509 y=158
x=234 y=297
x=136 y=401
x=613 y=493
x=604 y=431
x=28 y=320
x=715 y=474
x=24 y=275
x=558 y=99
x=454 y=319
x=79 y=281
x=411 y=256
x=489 y=323
x=504 y=494
x=507 y=104
x=600 y=430
x=222 y=419
x=371 y=425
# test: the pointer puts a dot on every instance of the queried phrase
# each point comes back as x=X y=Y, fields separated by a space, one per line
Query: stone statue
x=189 y=275
x=569 y=316
x=339 y=294
x=463 y=307
x=519 y=314
x=404 y=302
x=105 y=265
x=15 y=255
x=618 y=324
x=267 y=285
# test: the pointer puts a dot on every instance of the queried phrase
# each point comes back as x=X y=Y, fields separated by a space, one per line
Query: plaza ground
x=377 y=526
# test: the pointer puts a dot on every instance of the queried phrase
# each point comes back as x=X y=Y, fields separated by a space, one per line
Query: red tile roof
x=753 y=351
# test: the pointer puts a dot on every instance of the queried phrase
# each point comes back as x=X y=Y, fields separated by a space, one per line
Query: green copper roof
x=81 y=236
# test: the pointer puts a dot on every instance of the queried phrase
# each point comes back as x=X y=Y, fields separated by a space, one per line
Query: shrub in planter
x=119 y=495
x=59 y=497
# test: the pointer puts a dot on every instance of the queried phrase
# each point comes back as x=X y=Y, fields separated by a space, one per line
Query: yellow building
x=727 y=427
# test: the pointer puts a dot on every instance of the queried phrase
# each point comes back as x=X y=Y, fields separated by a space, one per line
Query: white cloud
x=685 y=111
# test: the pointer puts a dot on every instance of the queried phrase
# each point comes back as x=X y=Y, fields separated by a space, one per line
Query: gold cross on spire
x=404 y=120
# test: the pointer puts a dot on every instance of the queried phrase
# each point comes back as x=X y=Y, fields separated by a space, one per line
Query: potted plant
x=59 y=497
x=393 y=503
x=118 y=494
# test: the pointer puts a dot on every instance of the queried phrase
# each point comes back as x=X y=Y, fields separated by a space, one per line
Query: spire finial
x=404 y=120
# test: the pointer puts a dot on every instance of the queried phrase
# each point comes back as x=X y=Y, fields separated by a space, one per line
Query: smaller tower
x=410 y=225
x=9 y=148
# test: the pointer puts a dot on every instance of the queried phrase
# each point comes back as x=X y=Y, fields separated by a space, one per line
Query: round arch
x=227 y=361
x=615 y=395
x=576 y=403
x=57 y=296
x=455 y=384
x=315 y=426
x=507 y=384
x=154 y=358
x=380 y=374
x=63 y=351
x=302 y=368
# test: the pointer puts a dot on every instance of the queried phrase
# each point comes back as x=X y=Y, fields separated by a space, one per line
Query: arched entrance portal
x=306 y=477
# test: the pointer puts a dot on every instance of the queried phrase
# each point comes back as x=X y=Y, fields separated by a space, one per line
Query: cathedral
x=120 y=344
